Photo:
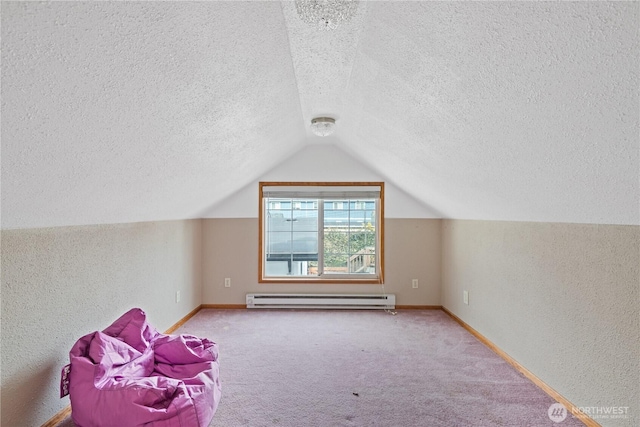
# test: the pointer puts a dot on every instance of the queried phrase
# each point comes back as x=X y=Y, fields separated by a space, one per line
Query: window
x=321 y=232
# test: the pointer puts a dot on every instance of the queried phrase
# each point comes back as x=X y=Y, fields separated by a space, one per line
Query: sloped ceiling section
x=524 y=111
x=137 y=111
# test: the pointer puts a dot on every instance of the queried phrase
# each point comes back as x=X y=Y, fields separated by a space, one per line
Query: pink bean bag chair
x=131 y=375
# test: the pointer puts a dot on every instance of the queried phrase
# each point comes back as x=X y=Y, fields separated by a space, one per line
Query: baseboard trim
x=66 y=412
x=58 y=418
x=588 y=421
x=243 y=306
x=418 y=307
x=225 y=306
x=183 y=320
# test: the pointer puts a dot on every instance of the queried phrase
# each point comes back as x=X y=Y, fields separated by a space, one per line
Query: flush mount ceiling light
x=323 y=126
x=326 y=14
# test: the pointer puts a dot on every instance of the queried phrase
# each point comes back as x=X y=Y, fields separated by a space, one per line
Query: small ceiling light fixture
x=323 y=126
x=326 y=14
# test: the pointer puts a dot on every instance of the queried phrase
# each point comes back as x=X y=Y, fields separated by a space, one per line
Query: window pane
x=361 y=239
x=363 y=261
x=278 y=242
x=336 y=244
x=305 y=221
x=349 y=237
x=291 y=236
x=335 y=263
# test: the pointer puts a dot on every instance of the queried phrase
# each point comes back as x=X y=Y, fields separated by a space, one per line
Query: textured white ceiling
x=137 y=111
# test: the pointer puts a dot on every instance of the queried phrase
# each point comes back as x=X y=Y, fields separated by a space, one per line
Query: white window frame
x=321 y=191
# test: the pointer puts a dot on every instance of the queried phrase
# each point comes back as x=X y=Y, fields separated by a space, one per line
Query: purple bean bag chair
x=131 y=375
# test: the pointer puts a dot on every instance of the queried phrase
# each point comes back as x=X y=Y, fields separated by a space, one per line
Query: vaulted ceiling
x=136 y=111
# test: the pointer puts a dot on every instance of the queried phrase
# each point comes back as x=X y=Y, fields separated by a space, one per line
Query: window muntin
x=321 y=232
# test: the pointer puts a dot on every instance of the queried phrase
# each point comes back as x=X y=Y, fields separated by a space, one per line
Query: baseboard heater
x=323 y=301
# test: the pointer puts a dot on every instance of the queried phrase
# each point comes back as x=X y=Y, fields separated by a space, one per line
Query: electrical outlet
x=177 y=296
x=227 y=282
x=465 y=297
x=414 y=283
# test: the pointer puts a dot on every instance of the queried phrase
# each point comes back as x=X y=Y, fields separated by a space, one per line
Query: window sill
x=337 y=281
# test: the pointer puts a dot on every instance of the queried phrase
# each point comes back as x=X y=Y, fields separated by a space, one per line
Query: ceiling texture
x=117 y=112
